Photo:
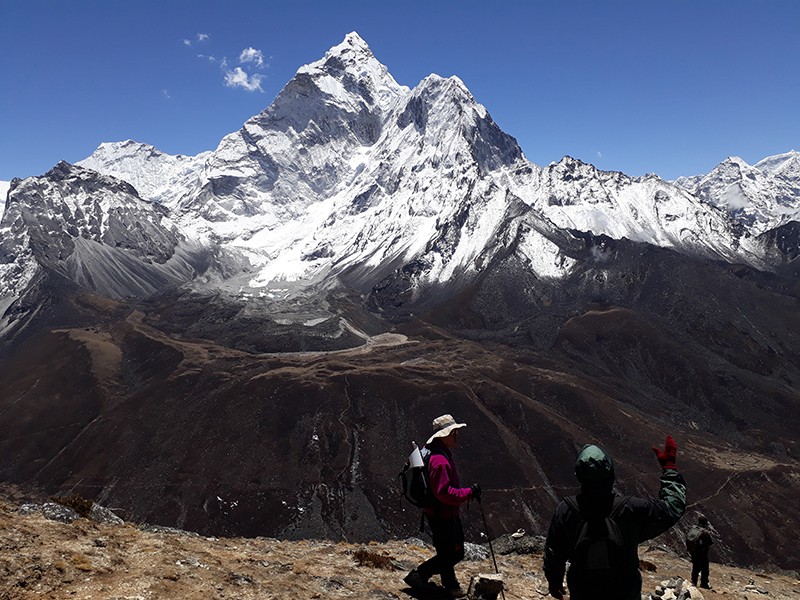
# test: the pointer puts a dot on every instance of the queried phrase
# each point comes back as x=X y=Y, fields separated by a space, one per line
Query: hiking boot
x=415 y=581
x=456 y=592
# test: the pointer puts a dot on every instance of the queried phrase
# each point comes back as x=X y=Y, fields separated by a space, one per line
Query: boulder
x=104 y=515
x=58 y=512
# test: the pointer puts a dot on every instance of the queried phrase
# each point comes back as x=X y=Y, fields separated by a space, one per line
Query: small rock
x=29 y=509
x=694 y=593
x=485 y=586
x=675 y=583
x=756 y=589
x=189 y=561
x=240 y=579
x=474 y=552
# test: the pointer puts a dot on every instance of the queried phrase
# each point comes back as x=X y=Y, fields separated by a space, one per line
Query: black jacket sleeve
x=655 y=516
x=557 y=546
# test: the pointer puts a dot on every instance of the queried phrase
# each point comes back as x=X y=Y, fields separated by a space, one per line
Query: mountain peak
x=735 y=160
x=118 y=150
x=732 y=168
x=786 y=165
x=353 y=41
x=452 y=84
x=570 y=163
x=125 y=144
x=352 y=52
x=353 y=64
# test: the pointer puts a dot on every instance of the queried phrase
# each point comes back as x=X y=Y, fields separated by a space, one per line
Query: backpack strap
x=572 y=502
x=619 y=503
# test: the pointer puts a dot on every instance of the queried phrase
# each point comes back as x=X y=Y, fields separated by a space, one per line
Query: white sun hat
x=442 y=426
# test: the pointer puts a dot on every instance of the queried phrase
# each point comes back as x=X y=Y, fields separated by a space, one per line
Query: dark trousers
x=700 y=567
x=448 y=539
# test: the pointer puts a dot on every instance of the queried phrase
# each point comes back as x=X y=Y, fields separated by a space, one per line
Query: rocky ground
x=41 y=557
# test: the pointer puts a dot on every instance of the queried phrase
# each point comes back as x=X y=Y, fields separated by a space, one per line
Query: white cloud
x=166 y=95
x=201 y=37
x=209 y=58
x=239 y=78
x=251 y=55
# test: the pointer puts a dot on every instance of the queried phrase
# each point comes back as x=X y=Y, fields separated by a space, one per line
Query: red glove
x=668 y=455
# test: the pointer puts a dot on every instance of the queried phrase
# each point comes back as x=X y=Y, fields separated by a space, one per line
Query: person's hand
x=668 y=455
x=476 y=491
x=557 y=591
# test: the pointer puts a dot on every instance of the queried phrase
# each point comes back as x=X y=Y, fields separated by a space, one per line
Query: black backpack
x=599 y=548
x=693 y=539
x=414 y=482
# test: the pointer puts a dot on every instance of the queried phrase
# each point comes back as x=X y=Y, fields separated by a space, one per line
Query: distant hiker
x=698 y=542
x=598 y=531
x=443 y=513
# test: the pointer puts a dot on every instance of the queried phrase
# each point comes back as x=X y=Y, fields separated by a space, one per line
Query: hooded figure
x=594 y=469
x=598 y=531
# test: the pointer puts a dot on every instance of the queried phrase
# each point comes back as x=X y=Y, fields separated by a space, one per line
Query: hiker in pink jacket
x=443 y=517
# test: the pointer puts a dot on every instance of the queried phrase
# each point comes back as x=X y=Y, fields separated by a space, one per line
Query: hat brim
x=444 y=432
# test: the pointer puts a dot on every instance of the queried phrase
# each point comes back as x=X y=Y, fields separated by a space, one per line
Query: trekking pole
x=491 y=550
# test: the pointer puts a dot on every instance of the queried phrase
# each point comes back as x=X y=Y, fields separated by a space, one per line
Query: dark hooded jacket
x=638 y=519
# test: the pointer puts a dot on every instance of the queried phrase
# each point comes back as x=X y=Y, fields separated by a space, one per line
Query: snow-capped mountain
x=760 y=198
x=156 y=176
x=786 y=165
x=576 y=195
x=350 y=176
x=356 y=255
x=348 y=170
x=95 y=231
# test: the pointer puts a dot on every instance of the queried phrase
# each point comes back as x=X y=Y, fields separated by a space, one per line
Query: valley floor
x=41 y=558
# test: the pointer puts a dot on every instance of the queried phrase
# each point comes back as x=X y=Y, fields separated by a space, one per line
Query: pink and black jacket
x=444 y=482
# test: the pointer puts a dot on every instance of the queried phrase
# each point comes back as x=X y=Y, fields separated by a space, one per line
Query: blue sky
x=665 y=86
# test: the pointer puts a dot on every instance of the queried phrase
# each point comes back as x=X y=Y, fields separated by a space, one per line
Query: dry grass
x=368 y=558
x=78 y=503
x=48 y=559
